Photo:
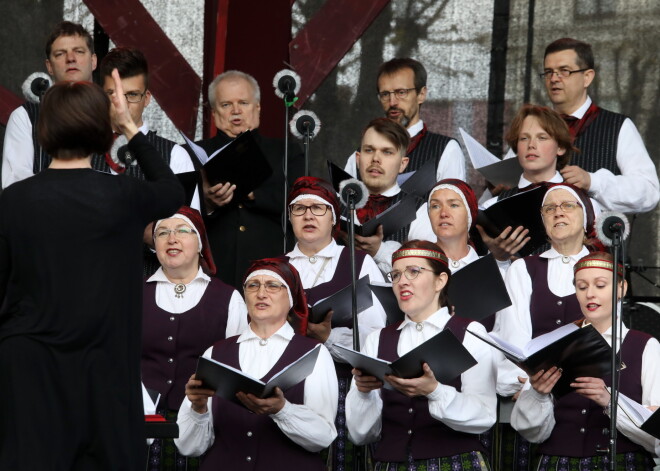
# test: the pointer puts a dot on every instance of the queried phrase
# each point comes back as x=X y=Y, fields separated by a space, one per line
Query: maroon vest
x=247 y=441
x=171 y=343
x=408 y=428
x=581 y=427
x=548 y=311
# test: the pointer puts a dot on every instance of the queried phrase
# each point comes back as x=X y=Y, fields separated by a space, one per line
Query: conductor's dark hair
x=67 y=28
x=585 y=55
x=129 y=62
x=74 y=120
x=392 y=131
x=394 y=65
x=436 y=266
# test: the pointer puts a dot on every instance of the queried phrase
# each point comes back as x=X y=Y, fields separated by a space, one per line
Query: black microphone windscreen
x=353 y=191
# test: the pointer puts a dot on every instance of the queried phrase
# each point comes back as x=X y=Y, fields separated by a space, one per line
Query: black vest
x=598 y=143
x=431 y=146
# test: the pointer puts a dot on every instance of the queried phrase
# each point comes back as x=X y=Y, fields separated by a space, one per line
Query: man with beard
x=401 y=92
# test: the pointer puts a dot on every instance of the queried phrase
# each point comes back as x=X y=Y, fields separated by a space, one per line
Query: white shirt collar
x=552 y=253
x=286 y=332
x=524 y=183
x=328 y=251
x=579 y=113
x=144 y=129
x=439 y=319
x=160 y=276
x=392 y=191
x=416 y=128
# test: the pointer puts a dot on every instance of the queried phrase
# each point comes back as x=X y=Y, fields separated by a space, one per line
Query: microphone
x=304 y=123
x=35 y=86
x=120 y=154
x=287 y=84
x=609 y=224
x=353 y=191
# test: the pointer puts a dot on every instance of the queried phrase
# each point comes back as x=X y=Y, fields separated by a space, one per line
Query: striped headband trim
x=597 y=263
x=422 y=253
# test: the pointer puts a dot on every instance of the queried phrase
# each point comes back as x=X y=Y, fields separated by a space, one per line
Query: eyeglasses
x=301 y=209
x=400 y=93
x=563 y=73
x=179 y=233
x=131 y=97
x=411 y=273
x=270 y=286
x=566 y=206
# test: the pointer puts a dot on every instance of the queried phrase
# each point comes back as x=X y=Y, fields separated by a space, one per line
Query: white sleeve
x=373 y=318
x=383 y=257
x=180 y=163
x=196 y=433
x=452 y=162
x=18 y=148
x=421 y=227
x=533 y=415
x=351 y=166
x=650 y=396
x=364 y=410
x=312 y=424
x=514 y=325
x=636 y=189
x=236 y=315
x=473 y=409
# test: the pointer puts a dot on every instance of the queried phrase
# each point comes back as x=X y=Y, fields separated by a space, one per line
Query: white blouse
x=471 y=410
x=310 y=425
x=322 y=271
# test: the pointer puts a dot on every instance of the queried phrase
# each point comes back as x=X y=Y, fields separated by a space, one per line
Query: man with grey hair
x=236 y=229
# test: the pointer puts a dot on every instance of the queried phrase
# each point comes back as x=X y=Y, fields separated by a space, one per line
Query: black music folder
x=227 y=380
x=444 y=353
x=336 y=175
x=421 y=181
x=341 y=303
x=241 y=162
x=579 y=351
x=389 y=302
x=394 y=218
x=648 y=421
x=522 y=209
x=477 y=290
x=188 y=181
x=496 y=171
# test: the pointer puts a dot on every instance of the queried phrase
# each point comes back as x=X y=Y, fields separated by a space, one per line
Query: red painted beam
x=8 y=103
x=326 y=38
x=173 y=81
x=216 y=14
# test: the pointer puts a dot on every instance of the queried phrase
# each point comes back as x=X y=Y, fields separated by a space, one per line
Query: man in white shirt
x=613 y=164
x=401 y=92
x=69 y=56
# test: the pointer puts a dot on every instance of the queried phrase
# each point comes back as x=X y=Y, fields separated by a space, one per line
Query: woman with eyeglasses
x=185 y=310
x=419 y=423
x=324 y=269
x=70 y=285
x=282 y=432
x=572 y=428
x=542 y=292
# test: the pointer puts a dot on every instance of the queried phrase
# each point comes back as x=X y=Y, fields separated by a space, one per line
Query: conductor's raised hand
x=365 y=383
x=422 y=386
x=197 y=395
x=119 y=113
x=543 y=381
x=507 y=244
x=268 y=406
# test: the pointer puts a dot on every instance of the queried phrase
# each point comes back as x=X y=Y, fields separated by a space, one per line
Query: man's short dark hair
x=67 y=28
x=395 y=65
x=585 y=55
x=74 y=120
x=128 y=61
x=392 y=131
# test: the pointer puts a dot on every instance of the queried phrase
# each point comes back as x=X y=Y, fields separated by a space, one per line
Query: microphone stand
x=289 y=100
x=617 y=246
x=351 y=251
x=307 y=136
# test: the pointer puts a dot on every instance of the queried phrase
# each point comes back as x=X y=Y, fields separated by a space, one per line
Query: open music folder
x=341 y=304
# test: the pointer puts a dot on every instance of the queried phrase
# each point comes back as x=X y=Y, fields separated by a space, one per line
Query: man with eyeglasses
x=69 y=57
x=401 y=91
x=613 y=164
